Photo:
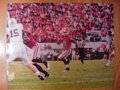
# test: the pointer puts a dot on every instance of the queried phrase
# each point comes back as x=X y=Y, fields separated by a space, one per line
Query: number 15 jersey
x=16 y=47
x=15 y=33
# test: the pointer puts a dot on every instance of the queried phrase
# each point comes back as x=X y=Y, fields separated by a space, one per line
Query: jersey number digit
x=14 y=33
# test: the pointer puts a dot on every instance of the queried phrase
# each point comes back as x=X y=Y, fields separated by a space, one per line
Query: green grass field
x=92 y=74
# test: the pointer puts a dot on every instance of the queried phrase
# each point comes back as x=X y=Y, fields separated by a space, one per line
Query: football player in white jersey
x=16 y=48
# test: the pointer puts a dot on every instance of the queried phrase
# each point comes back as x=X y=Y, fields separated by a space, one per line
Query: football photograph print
x=60 y=46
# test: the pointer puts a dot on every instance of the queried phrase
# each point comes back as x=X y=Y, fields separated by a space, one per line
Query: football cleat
x=106 y=65
x=82 y=61
x=47 y=75
x=67 y=69
x=41 y=78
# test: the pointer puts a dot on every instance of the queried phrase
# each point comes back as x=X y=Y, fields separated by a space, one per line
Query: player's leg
x=104 y=57
x=63 y=56
x=68 y=60
x=37 y=57
x=10 y=75
x=46 y=62
x=10 y=58
x=23 y=55
x=47 y=65
x=41 y=70
x=111 y=57
x=81 y=54
x=35 y=52
x=42 y=60
x=35 y=61
x=35 y=71
x=66 y=63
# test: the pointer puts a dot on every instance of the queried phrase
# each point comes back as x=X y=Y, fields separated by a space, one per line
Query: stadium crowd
x=47 y=20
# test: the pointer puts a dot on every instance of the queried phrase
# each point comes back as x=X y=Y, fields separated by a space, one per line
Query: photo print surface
x=60 y=45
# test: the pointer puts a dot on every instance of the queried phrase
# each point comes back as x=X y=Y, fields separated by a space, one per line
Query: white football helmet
x=12 y=21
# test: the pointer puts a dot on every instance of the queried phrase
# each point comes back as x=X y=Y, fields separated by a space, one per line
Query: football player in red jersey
x=34 y=48
x=65 y=55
